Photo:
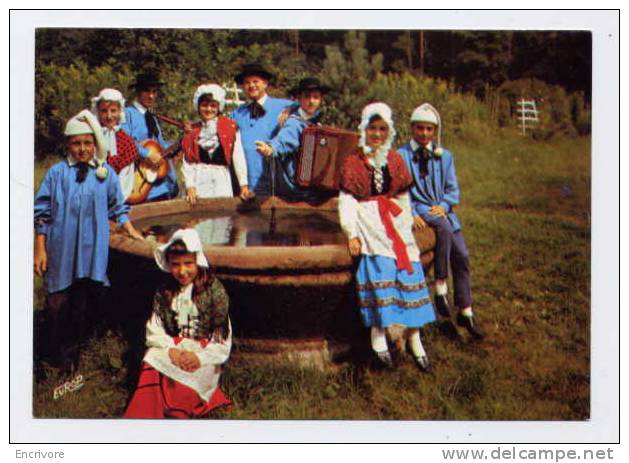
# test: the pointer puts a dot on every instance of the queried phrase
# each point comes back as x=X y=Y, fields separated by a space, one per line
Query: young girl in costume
x=122 y=154
x=76 y=199
x=210 y=149
x=375 y=215
x=188 y=336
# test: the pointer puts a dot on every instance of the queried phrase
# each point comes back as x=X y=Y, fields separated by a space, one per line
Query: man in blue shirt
x=142 y=124
x=258 y=121
x=285 y=145
x=434 y=194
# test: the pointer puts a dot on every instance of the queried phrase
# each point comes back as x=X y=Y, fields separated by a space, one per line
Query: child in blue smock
x=285 y=145
x=258 y=121
x=434 y=194
x=76 y=199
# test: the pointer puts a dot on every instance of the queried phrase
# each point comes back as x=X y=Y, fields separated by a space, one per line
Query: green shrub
x=462 y=115
x=560 y=113
x=581 y=114
x=62 y=91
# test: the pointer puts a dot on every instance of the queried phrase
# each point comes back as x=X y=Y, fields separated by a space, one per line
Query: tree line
x=473 y=76
x=469 y=59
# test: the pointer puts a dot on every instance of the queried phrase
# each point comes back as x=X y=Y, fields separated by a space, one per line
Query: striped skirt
x=389 y=296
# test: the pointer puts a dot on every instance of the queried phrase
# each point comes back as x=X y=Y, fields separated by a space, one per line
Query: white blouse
x=208 y=139
x=205 y=379
x=361 y=219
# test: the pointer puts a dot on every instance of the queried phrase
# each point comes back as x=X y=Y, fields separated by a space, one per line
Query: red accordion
x=321 y=155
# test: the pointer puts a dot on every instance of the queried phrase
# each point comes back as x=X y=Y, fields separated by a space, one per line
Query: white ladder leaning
x=527 y=112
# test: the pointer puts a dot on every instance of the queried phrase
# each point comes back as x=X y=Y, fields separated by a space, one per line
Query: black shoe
x=469 y=323
x=422 y=363
x=443 y=308
x=384 y=359
x=448 y=328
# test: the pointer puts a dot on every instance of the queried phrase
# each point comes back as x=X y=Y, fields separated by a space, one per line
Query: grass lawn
x=526 y=217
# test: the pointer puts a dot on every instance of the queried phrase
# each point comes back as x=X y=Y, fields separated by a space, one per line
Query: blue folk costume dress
x=136 y=126
x=262 y=128
x=286 y=147
x=374 y=207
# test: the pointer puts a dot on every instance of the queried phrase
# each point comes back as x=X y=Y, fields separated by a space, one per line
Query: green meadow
x=526 y=218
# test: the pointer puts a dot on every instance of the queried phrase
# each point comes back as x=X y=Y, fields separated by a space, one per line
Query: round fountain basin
x=285 y=266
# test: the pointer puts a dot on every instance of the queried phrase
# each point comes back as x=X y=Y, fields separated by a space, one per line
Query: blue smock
x=439 y=188
x=75 y=219
x=135 y=125
x=261 y=129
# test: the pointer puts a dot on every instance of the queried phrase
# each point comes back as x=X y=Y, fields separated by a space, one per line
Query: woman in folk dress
x=210 y=149
x=374 y=209
x=122 y=154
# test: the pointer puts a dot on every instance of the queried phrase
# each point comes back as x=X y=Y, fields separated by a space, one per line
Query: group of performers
x=384 y=194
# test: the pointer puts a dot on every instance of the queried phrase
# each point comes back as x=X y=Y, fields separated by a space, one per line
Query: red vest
x=226 y=129
x=356 y=174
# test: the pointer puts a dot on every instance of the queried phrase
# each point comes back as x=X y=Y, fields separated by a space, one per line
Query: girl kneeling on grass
x=188 y=337
x=375 y=214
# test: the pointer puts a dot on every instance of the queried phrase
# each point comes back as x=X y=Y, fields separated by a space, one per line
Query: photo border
x=604 y=386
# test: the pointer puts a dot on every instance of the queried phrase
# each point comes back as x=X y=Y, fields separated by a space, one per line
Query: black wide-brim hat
x=309 y=84
x=146 y=80
x=253 y=69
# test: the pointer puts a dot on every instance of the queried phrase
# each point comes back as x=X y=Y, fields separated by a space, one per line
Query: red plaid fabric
x=126 y=154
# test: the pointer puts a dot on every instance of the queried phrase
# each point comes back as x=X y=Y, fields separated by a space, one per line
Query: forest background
x=525 y=207
x=474 y=78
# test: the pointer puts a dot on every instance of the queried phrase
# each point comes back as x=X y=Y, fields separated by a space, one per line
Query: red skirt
x=158 y=396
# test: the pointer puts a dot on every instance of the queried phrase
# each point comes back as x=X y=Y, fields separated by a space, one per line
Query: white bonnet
x=382 y=110
x=428 y=113
x=110 y=94
x=218 y=94
x=190 y=239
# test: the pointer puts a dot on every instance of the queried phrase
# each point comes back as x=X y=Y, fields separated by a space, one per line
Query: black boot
x=469 y=323
x=443 y=308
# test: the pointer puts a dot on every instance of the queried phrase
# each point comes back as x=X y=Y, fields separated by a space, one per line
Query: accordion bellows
x=322 y=152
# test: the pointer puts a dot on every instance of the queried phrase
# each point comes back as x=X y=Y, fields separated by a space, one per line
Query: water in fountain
x=274 y=227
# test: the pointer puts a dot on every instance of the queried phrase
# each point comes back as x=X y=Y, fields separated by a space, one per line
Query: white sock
x=467 y=312
x=415 y=343
x=378 y=339
x=441 y=289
